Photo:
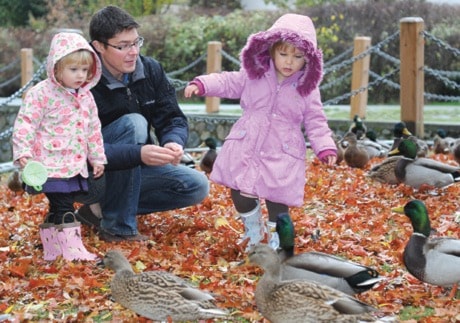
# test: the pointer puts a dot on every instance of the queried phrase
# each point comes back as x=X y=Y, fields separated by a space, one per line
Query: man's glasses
x=126 y=47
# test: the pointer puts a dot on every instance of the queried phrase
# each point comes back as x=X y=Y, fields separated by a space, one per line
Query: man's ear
x=98 y=46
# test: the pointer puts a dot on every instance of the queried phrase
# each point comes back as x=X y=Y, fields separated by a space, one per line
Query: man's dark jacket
x=147 y=91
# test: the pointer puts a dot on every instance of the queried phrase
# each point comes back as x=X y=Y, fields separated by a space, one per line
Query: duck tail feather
x=456 y=176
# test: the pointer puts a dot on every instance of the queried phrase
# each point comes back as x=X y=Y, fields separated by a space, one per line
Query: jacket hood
x=299 y=31
x=65 y=43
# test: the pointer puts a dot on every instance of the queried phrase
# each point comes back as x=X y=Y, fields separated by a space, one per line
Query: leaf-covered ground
x=345 y=213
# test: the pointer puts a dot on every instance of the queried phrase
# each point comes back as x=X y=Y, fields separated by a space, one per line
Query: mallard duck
x=340 y=149
x=374 y=149
x=158 y=295
x=346 y=276
x=208 y=159
x=434 y=261
x=415 y=172
x=14 y=181
x=400 y=132
x=422 y=146
x=358 y=127
x=372 y=136
x=187 y=160
x=355 y=154
x=384 y=172
x=442 y=144
x=293 y=301
x=456 y=151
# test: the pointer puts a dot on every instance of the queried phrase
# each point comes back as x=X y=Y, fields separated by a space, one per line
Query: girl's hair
x=280 y=45
x=79 y=57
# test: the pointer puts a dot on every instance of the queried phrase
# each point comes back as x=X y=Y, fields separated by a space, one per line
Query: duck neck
x=422 y=226
x=273 y=272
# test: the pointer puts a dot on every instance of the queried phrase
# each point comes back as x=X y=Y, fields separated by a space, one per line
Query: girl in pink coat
x=263 y=156
x=58 y=125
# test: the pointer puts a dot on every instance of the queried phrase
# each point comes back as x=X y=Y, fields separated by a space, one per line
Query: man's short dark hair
x=108 y=22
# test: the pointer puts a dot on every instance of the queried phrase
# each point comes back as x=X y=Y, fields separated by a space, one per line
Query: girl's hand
x=190 y=90
x=330 y=160
x=23 y=162
x=98 y=170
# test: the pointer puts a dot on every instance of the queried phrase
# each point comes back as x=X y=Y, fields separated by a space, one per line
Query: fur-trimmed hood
x=295 y=29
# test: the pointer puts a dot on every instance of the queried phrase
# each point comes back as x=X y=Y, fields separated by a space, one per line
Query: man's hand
x=177 y=150
x=154 y=155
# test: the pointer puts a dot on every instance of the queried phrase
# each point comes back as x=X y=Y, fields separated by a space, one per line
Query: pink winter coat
x=55 y=127
x=264 y=153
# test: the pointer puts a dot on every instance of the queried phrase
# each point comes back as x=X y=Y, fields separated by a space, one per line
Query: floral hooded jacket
x=264 y=153
x=56 y=127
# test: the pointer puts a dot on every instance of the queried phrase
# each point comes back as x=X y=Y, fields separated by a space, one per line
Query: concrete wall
x=203 y=126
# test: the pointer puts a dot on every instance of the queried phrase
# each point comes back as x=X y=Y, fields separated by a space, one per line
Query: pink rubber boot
x=51 y=247
x=69 y=236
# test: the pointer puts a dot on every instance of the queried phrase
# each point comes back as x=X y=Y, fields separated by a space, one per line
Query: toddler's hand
x=98 y=170
x=190 y=90
x=330 y=160
x=23 y=162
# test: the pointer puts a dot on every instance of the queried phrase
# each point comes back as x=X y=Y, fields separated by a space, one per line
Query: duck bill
x=406 y=132
x=398 y=209
x=393 y=152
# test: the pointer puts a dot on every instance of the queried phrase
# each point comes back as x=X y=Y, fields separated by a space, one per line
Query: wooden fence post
x=412 y=74
x=27 y=65
x=360 y=77
x=213 y=65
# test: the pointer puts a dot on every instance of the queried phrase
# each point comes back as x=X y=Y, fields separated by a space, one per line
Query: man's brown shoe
x=87 y=217
x=110 y=237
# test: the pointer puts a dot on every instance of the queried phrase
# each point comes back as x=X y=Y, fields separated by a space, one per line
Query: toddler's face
x=288 y=60
x=74 y=75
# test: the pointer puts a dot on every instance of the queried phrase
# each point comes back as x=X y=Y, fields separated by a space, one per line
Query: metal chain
x=6 y=134
x=390 y=83
x=442 y=44
x=178 y=84
x=353 y=59
x=338 y=57
x=230 y=58
x=388 y=57
x=449 y=83
x=338 y=80
x=9 y=66
x=11 y=80
x=438 y=97
x=186 y=68
x=35 y=78
x=376 y=82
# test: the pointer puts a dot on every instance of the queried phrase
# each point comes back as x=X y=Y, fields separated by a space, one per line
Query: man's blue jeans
x=144 y=189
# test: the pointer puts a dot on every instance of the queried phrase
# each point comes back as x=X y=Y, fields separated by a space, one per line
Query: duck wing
x=324 y=263
x=159 y=295
x=436 y=165
x=426 y=171
x=385 y=171
x=323 y=296
x=442 y=261
x=335 y=272
x=448 y=246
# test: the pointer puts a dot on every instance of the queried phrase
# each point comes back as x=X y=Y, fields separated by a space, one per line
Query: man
x=134 y=96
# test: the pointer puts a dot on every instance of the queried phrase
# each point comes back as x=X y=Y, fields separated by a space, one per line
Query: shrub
x=178 y=38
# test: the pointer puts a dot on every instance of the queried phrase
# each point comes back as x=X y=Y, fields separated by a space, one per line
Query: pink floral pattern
x=53 y=126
